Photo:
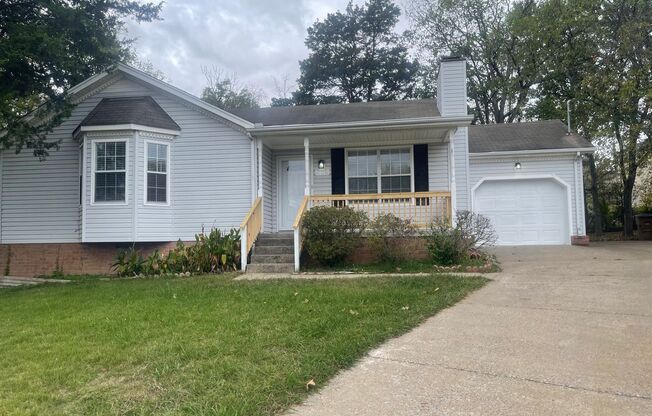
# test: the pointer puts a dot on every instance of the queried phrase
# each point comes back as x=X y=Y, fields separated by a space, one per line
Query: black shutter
x=338 y=185
x=420 y=168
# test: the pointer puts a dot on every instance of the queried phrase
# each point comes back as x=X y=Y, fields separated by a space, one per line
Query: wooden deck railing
x=296 y=227
x=422 y=208
x=249 y=230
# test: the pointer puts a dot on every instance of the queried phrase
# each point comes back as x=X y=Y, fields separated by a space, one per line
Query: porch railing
x=296 y=227
x=249 y=230
x=421 y=208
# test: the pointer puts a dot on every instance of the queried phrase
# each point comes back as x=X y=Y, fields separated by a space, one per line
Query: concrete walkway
x=563 y=331
x=13 y=281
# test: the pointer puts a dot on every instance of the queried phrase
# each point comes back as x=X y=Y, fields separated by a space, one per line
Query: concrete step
x=272 y=258
x=274 y=249
x=275 y=241
x=270 y=268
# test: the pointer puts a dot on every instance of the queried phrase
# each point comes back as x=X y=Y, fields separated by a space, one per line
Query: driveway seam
x=541 y=308
x=507 y=376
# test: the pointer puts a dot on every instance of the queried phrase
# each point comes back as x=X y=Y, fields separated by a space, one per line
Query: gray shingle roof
x=134 y=110
x=334 y=113
x=536 y=135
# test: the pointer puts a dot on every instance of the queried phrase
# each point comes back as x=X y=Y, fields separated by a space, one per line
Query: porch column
x=306 y=147
x=260 y=167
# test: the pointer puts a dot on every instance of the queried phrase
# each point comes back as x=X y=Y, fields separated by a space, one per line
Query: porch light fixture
x=517 y=165
x=321 y=164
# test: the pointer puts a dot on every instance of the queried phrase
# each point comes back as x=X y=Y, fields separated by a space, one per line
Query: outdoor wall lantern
x=517 y=165
x=321 y=164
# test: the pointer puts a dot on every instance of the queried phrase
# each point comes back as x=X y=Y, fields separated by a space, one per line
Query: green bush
x=214 y=252
x=444 y=245
x=392 y=238
x=330 y=234
x=472 y=232
x=128 y=262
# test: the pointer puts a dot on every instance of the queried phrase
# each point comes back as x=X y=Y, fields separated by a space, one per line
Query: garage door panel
x=525 y=211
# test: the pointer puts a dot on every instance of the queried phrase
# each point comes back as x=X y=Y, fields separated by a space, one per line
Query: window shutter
x=338 y=186
x=420 y=167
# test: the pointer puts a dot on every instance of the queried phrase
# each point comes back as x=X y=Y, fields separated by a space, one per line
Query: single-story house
x=144 y=162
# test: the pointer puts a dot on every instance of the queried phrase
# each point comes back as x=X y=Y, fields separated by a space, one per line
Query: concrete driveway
x=562 y=331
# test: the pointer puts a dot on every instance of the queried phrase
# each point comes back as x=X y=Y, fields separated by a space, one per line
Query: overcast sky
x=255 y=39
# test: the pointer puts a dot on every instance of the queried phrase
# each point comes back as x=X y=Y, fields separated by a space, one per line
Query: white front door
x=292 y=181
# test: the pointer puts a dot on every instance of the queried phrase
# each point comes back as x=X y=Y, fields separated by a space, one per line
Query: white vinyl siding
x=210 y=174
x=461 y=165
x=437 y=167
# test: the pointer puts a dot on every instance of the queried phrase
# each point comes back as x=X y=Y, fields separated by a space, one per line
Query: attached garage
x=525 y=211
x=527 y=178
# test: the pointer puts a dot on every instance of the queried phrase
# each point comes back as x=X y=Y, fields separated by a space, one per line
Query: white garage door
x=525 y=211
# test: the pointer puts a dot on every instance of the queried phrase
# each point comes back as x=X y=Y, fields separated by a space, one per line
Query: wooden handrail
x=300 y=212
x=251 y=212
x=396 y=195
x=249 y=230
x=421 y=208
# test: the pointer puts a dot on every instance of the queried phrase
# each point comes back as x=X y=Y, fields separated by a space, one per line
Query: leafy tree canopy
x=49 y=46
x=356 y=55
x=502 y=67
x=226 y=92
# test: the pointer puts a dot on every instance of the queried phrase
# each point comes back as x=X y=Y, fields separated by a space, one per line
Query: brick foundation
x=364 y=254
x=580 y=240
x=27 y=260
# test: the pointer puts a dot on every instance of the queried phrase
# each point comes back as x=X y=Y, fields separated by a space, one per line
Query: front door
x=292 y=179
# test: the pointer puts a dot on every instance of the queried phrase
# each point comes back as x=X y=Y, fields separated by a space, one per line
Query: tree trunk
x=628 y=211
x=595 y=197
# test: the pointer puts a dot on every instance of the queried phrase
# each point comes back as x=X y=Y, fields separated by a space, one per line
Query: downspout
x=577 y=193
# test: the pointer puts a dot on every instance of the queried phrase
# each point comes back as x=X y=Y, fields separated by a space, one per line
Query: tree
x=148 y=67
x=502 y=67
x=600 y=55
x=355 y=56
x=283 y=95
x=47 y=47
x=226 y=92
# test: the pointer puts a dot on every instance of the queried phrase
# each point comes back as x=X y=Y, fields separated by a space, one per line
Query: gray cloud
x=255 y=39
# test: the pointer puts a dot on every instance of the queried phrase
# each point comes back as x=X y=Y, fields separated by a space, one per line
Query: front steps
x=273 y=253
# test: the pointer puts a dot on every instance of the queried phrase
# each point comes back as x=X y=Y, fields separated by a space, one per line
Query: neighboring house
x=144 y=162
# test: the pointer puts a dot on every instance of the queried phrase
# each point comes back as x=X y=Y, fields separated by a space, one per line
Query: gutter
x=352 y=126
x=530 y=152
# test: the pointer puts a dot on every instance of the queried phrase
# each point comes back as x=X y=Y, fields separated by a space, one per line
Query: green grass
x=407 y=266
x=201 y=345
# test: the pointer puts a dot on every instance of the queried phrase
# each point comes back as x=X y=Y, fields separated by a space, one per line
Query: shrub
x=392 y=238
x=212 y=253
x=128 y=262
x=330 y=234
x=471 y=233
x=444 y=244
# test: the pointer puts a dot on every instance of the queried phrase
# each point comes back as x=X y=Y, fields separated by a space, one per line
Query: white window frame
x=168 y=167
x=378 y=167
x=94 y=170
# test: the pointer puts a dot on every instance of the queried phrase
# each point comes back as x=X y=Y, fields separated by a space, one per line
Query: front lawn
x=201 y=345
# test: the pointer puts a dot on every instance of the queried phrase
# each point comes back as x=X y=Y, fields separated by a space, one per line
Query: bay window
x=379 y=171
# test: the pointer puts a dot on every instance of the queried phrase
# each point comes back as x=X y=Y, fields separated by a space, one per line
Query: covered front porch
x=406 y=171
